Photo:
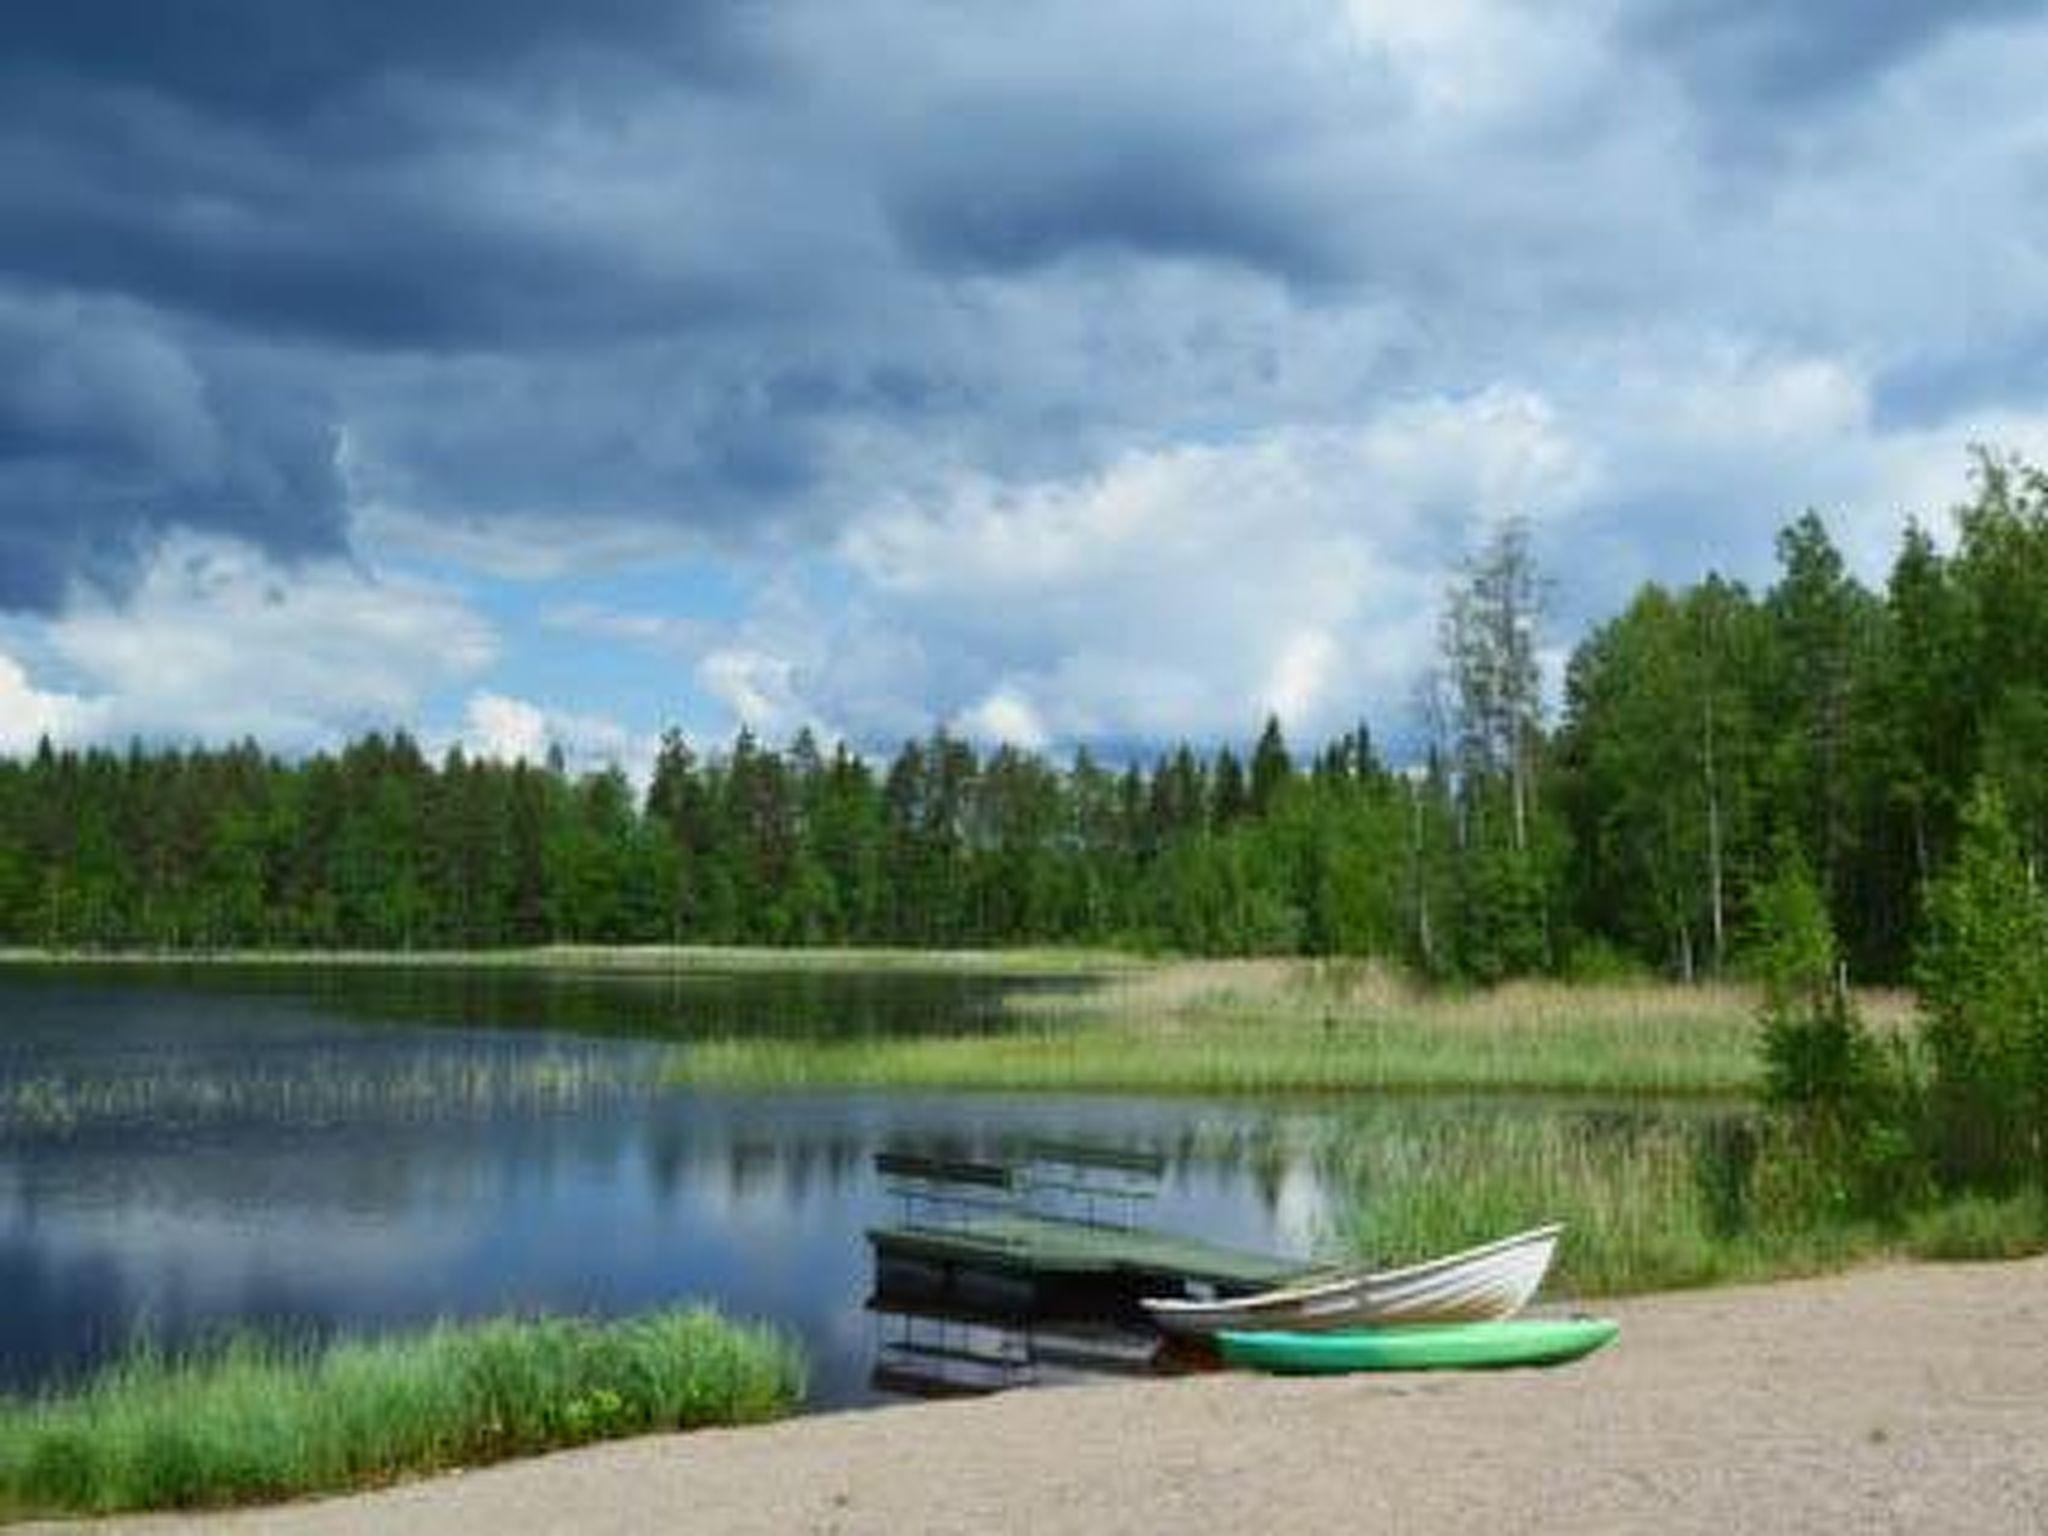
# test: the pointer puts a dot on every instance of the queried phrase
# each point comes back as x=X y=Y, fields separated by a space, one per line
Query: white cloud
x=505 y=729
x=1298 y=688
x=509 y=730
x=1005 y=718
x=1188 y=590
x=217 y=642
x=1183 y=592
x=27 y=713
x=759 y=687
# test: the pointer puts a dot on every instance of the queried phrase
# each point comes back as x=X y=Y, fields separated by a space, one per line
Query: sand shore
x=1911 y=1399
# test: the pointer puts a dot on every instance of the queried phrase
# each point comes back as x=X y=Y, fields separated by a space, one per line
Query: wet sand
x=1911 y=1399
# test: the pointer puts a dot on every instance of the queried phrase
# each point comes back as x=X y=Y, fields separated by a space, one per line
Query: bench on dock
x=1061 y=1181
x=1040 y=1220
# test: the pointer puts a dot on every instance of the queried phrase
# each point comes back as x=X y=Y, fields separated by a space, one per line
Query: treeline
x=1706 y=730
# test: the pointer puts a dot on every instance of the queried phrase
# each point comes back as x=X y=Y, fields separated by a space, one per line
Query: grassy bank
x=1649 y=1202
x=1178 y=1026
x=250 y=1421
x=1255 y=1027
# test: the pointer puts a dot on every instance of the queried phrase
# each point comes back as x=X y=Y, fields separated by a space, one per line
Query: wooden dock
x=1049 y=1231
x=1055 y=1250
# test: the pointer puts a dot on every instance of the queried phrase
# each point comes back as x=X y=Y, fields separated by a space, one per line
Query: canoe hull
x=1478 y=1285
x=1450 y=1346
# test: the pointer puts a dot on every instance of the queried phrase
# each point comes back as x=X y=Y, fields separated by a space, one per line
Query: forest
x=1706 y=735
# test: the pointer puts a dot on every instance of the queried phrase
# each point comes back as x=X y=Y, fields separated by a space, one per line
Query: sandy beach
x=1898 y=1399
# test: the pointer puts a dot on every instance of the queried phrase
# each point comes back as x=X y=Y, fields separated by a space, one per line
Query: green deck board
x=1048 y=1246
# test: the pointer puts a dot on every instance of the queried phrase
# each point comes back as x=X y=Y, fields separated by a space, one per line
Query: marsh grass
x=1268 y=1027
x=249 y=1420
x=319 y=1090
x=1648 y=1202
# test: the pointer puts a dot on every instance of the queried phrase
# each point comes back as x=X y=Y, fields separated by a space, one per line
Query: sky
x=1107 y=373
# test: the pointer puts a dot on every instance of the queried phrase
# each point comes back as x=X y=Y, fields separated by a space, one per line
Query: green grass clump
x=1649 y=1203
x=1980 y=1227
x=249 y=1420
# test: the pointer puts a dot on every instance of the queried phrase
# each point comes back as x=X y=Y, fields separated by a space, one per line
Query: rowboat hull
x=1478 y=1285
x=1451 y=1346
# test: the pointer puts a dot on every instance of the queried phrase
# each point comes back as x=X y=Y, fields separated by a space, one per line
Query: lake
x=307 y=1149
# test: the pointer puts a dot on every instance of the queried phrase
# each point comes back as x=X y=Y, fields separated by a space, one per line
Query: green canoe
x=1442 y=1346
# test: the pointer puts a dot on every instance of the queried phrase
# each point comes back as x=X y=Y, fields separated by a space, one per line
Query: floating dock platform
x=1049 y=1249
x=1050 y=1232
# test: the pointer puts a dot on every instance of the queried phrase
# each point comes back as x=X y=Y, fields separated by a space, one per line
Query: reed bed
x=249 y=1420
x=1648 y=1203
x=1292 y=1026
x=317 y=1091
x=1274 y=1060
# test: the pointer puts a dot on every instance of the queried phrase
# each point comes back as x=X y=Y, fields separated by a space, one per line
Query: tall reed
x=1648 y=1202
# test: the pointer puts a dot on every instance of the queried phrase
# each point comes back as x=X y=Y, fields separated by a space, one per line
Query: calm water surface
x=183 y=1150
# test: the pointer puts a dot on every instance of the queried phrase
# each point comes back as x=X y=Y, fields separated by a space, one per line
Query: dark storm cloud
x=286 y=64
x=356 y=207
x=1007 y=176
x=111 y=433
x=724 y=263
x=1115 y=199
x=1753 y=56
x=185 y=186
x=637 y=257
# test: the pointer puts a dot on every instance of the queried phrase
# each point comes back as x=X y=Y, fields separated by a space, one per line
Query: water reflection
x=185 y=1154
x=233 y=1157
x=696 y=1003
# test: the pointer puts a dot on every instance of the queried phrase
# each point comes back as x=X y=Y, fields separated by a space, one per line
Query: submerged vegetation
x=322 y=1089
x=249 y=1420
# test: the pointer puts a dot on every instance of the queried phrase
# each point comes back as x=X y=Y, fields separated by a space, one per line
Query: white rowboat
x=1477 y=1285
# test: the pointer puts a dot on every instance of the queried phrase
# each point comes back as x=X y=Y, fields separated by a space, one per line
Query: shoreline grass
x=1296 y=1027
x=248 y=1420
x=1223 y=1062
x=1649 y=1203
x=1150 y=1025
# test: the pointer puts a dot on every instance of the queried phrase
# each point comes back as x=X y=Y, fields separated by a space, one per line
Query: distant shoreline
x=622 y=957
